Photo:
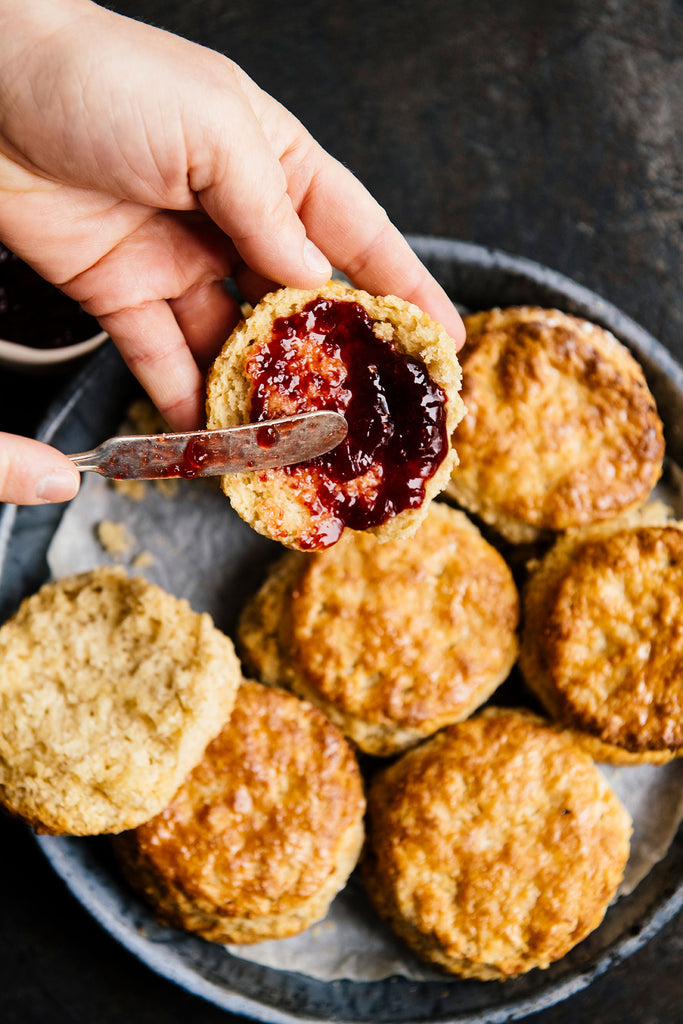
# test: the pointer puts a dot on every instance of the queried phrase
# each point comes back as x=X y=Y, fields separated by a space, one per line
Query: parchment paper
x=186 y=538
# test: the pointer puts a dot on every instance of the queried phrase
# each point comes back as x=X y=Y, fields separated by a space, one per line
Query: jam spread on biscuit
x=328 y=356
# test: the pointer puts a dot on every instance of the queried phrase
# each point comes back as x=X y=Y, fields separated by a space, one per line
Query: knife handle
x=88 y=461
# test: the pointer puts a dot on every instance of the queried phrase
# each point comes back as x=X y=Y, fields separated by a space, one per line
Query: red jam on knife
x=327 y=356
x=194 y=457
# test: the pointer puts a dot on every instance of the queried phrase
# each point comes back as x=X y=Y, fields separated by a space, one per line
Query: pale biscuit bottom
x=110 y=690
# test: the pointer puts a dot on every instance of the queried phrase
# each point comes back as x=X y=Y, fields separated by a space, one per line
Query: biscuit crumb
x=168 y=488
x=136 y=490
x=114 y=537
x=143 y=560
x=145 y=419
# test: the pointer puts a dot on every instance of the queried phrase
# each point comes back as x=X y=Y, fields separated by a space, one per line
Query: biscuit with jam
x=384 y=364
x=561 y=430
x=263 y=833
x=393 y=641
x=110 y=690
x=602 y=643
x=494 y=847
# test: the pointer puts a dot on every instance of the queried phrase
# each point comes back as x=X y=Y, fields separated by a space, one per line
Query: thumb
x=33 y=473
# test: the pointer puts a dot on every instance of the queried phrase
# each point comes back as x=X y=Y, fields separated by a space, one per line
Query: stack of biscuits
x=355 y=721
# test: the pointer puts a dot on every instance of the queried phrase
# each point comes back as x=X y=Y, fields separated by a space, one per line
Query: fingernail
x=314 y=259
x=57 y=486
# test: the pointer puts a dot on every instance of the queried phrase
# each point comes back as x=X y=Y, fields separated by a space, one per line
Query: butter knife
x=254 y=446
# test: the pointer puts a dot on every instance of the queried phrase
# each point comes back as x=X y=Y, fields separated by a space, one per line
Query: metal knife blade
x=200 y=453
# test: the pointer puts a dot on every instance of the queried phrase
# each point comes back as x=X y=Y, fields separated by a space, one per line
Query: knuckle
x=358 y=263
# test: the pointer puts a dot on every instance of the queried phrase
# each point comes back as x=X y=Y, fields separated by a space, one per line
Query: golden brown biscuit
x=561 y=430
x=495 y=846
x=393 y=641
x=602 y=644
x=110 y=689
x=382 y=362
x=263 y=833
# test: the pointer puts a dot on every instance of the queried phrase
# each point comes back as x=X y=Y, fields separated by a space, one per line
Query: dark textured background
x=553 y=131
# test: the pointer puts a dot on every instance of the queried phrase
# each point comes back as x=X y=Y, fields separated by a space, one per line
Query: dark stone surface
x=553 y=131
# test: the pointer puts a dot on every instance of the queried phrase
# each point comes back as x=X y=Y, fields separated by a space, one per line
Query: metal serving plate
x=92 y=409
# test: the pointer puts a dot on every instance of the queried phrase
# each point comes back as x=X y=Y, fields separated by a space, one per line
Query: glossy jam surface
x=195 y=457
x=327 y=356
x=35 y=313
x=266 y=437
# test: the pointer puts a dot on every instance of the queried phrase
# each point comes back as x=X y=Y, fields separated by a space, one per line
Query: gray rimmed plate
x=92 y=409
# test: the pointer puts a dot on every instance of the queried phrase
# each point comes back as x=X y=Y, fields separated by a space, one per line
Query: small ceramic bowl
x=23 y=357
x=40 y=328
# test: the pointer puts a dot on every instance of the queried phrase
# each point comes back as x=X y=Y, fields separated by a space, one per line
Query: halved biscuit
x=561 y=429
x=110 y=689
x=263 y=833
x=393 y=641
x=602 y=643
x=495 y=846
x=382 y=362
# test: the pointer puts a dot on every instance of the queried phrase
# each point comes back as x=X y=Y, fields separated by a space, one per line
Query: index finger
x=356 y=235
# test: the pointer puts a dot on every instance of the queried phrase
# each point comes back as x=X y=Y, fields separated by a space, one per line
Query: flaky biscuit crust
x=561 y=429
x=495 y=846
x=392 y=640
x=274 y=503
x=110 y=689
x=263 y=833
x=602 y=644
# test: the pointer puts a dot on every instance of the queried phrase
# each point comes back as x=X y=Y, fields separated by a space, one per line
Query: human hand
x=139 y=170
